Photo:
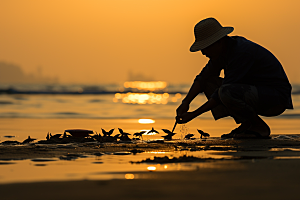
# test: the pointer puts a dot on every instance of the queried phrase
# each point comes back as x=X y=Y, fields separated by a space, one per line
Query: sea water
x=37 y=109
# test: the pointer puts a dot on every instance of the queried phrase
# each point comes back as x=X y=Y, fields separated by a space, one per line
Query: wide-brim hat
x=207 y=32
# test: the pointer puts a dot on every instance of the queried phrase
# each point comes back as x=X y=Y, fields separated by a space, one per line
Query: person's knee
x=225 y=94
x=273 y=111
x=211 y=85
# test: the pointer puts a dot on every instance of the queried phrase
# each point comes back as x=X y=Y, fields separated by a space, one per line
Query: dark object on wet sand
x=153 y=131
x=124 y=136
x=166 y=131
x=28 y=140
x=79 y=132
x=156 y=141
x=122 y=132
x=188 y=136
x=97 y=137
x=105 y=133
x=166 y=159
x=203 y=134
x=248 y=134
x=231 y=134
x=10 y=142
x=139 y=134
x=135 y=151
x=117 y=136
x=168 y=137
x=56 y=136
x=107 y=136
x=169 y=134
x=48 y=136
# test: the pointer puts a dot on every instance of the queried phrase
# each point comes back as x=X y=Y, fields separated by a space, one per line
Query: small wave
x=67 y=113
x=6 y=102
x=95 y=100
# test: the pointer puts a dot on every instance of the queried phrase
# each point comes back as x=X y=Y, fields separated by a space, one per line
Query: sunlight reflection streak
x=146 y=121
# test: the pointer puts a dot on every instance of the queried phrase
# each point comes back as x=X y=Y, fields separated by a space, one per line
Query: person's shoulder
x=241 y=44
x=242 y=41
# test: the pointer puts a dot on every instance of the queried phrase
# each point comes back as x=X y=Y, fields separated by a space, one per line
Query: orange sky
x=97 y=41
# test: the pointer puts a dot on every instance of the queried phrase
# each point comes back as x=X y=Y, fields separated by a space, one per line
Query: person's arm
x=195 y=89
x=188 y=116
x=210 y=70
x=193 y=92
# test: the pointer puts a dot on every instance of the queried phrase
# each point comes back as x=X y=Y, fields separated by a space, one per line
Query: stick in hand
x=174 y=126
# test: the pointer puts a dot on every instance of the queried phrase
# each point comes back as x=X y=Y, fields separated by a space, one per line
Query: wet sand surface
x=260 y=180
x=255 y=169
x=245 y=146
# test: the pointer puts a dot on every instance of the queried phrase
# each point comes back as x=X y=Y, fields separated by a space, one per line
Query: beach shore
x=259 y=169
x=237 y=169
x=260 y=180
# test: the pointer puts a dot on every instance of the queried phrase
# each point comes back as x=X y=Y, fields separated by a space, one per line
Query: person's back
x=246 y=62
x=264 y=67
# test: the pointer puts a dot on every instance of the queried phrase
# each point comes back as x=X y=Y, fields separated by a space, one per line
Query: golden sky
x=100 y=41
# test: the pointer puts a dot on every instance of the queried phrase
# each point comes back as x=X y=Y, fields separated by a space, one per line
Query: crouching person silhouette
x=254 y=82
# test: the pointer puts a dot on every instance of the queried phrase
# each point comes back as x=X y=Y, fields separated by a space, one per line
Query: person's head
x=214 y=50
x=208 y=37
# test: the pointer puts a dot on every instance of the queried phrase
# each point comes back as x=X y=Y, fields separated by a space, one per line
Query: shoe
x=231 y=134
x=248 y=134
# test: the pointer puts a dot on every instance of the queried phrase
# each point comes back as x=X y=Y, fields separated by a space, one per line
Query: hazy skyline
x=12 y=73
x=101 y=41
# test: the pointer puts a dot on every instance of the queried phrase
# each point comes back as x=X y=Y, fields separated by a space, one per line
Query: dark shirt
x=245 y=62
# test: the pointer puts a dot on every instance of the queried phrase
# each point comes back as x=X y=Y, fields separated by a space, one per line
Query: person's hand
x=185 y=117
x=183 y=108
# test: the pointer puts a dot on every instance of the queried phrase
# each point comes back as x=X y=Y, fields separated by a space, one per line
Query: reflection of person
x=254 y=81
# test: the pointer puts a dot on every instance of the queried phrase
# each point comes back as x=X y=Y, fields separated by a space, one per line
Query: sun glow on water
x=151 y=168
x=142 y=98
x=146 y=85
x=129 y=176
x=146 y=121
x=145 y=98
x=145 y=92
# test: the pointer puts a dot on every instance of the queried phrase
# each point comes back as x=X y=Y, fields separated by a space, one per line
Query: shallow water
x=126 y=165
x=103 y=106
x=19 y=129
x=24 y=115
x=107 y=166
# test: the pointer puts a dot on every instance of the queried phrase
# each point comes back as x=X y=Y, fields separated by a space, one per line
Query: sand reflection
x=129 y=176
x=91 y=167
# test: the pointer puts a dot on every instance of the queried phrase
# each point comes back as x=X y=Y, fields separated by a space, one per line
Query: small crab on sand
x=48 y=136
x=139 y=134
x=56 y=136
x=153 y=131
x=105 y=133
x=124 y=136
x=203 y=134
x=117 y=136
x=188 y=136
x=28 y=140
x=169 y=134
x=97 y=137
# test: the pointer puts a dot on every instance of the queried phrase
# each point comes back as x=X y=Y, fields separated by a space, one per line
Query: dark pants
x=239 y=101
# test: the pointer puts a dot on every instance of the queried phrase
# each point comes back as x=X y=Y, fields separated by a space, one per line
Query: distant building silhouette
x=12 y=73
x=139 y=76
